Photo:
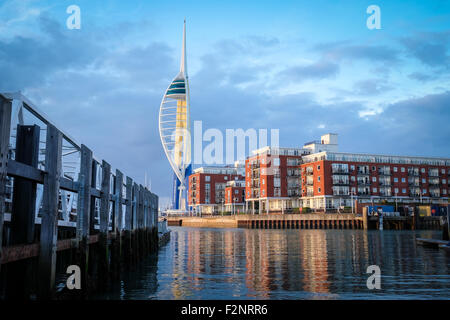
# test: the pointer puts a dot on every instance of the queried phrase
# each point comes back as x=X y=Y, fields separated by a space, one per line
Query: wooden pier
x=114 y=226
x=308 y=221
x=286 y=221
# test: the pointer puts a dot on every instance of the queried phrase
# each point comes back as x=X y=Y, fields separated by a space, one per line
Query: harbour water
x=203 y=263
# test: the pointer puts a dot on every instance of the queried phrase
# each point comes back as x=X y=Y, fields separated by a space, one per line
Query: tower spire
x=183 y=67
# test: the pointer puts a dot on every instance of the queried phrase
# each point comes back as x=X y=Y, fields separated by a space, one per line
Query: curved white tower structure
x=175 y=130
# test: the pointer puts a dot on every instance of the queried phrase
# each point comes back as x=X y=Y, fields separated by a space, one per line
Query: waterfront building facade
x=235 y=196
x=207 y=188
x=319 y=177
x=335 y=180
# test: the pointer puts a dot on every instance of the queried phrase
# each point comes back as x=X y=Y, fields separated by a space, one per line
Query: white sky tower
x=175 y=129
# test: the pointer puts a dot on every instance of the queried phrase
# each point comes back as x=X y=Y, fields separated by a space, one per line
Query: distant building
x=333 y=179
x=319 y=177
x=235 y=196
x=207 y=187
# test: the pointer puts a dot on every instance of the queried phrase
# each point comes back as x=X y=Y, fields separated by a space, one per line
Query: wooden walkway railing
x=122 y=223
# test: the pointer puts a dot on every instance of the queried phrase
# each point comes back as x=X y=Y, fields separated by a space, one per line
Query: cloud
x=371 y=87
x=344 y=50
x=26 y=61
x=318 y=70
x=431 y=48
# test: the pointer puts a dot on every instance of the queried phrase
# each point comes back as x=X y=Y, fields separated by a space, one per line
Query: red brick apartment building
x=279 y=180
x=332 y=179
x=235 y=196
x=207 y=187
x=319 y=177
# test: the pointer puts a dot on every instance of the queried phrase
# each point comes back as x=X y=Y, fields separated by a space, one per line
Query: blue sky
x=304 y=67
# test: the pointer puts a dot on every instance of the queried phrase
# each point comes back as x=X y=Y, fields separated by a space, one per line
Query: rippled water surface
x=200 y=263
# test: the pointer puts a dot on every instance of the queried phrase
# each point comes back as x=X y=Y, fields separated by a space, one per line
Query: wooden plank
x=104 y=224
x=26 y=251
x=129 y=204
x=104 y=198
x=83 y=214
x=118 y=204
x=24 y=193
x=84 y=193
x=135 y=206
x=5 y=129
x=23 y=211
x=49 y=224
x=93 y=198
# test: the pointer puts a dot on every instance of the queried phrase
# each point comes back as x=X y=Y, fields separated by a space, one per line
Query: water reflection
x=203 y=263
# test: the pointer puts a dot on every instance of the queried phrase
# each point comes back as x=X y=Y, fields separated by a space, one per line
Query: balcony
x=339 y=171
x=413 y=172
x=340 y=182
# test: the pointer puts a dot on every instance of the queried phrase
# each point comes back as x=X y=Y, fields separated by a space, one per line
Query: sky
x=304 y=67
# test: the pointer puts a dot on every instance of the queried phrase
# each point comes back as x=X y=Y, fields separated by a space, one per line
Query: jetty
x=61 y=206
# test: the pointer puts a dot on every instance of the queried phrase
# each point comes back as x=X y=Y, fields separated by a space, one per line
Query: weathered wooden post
x=136 y=219
x=118 y=184
x=128 y=221
x=93 y=199
x=23 y=211
x=141 y=221
x=5 y=129
x=83 y=214
x=49 y=224
x=104 y=224
x=365 y=218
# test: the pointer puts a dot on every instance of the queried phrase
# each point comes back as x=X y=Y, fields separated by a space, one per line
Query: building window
x=352 y=178
x=318 y=167
x=263 y=192
x=422 y=170
x=403 y=169
x=403 y=190
x=374 y=179
x=236 y=191
x=424 y=191
x=318 y=179
x=263 y=181
x=396 y=190
x=424 y=180
x=374 y=168
x=248 y=183
x=444 y=181
x=226 y=177
x=352 y=167
x=444 y=191
x=395 y=179
x=374 y=189
x=248 y=194
x=276 y=162
x=403 y=180
x=207 y=178
x=443 y=171
x=263 y=170
x=395 y=169
x=319 y=190
x=263 y=160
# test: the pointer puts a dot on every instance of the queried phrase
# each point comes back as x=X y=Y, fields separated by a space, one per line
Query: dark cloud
x=431 y=48
x=26 y=61
x=318 y=70
x=422 y=77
